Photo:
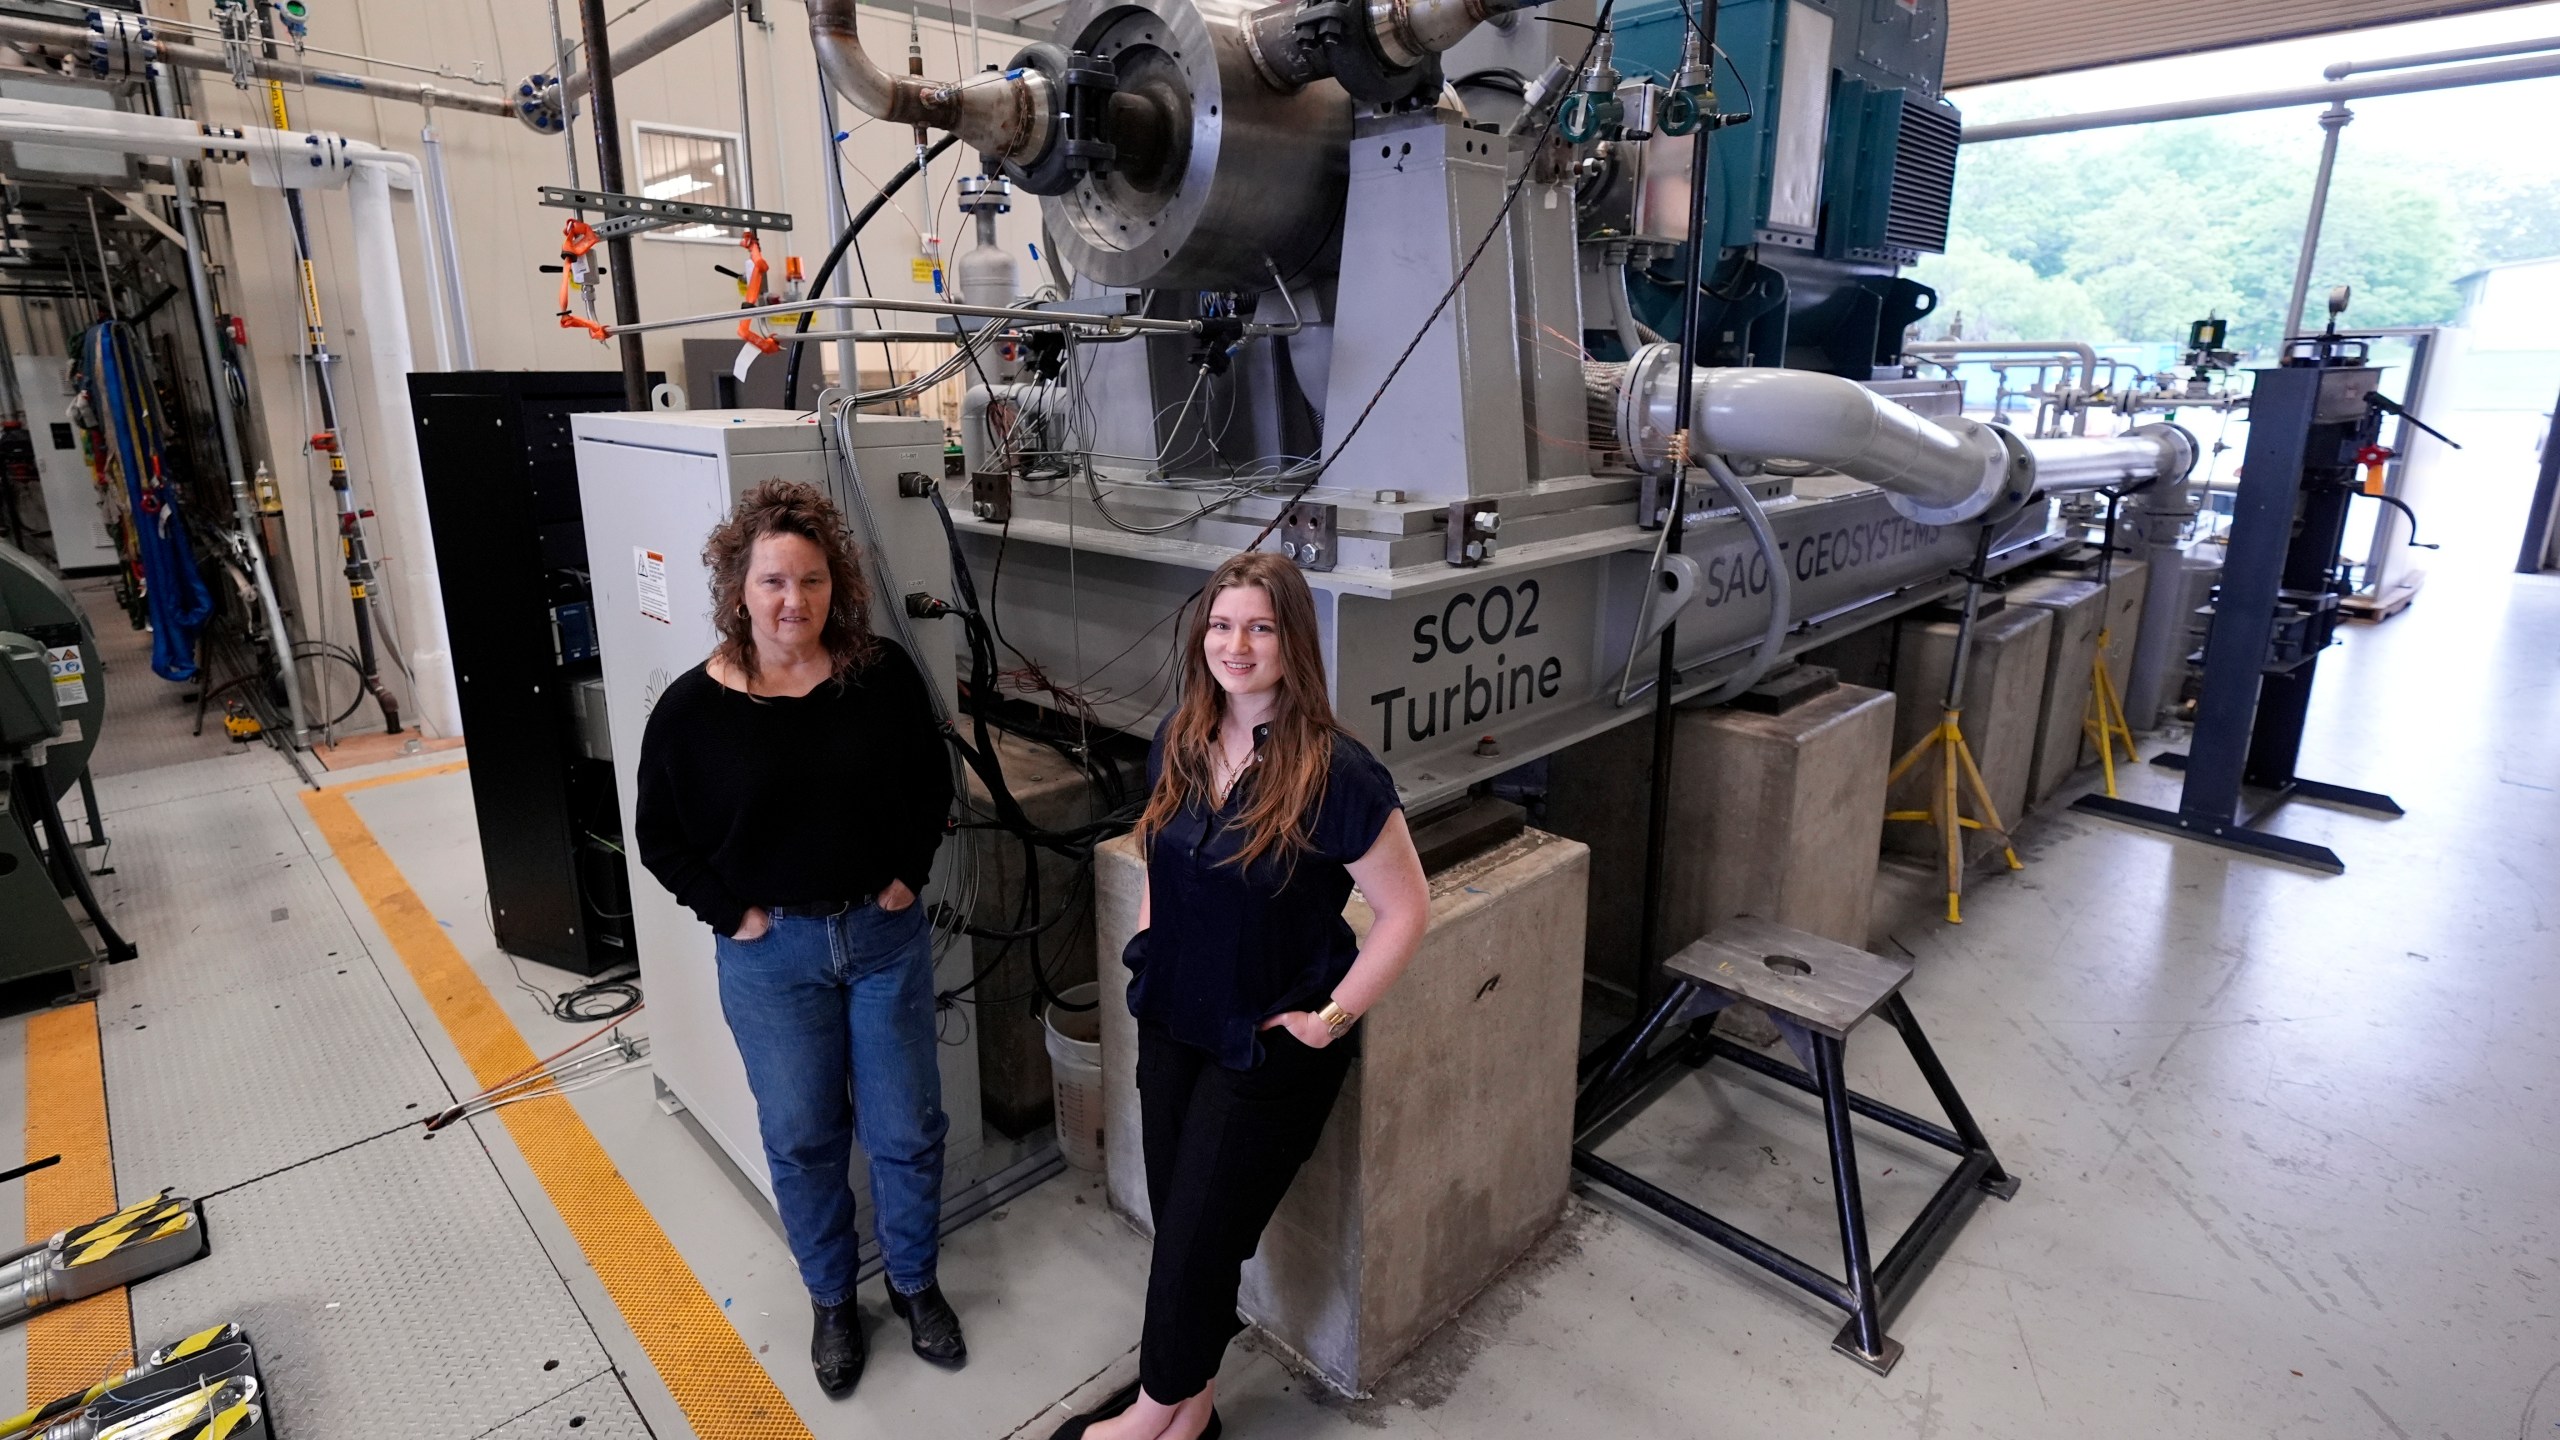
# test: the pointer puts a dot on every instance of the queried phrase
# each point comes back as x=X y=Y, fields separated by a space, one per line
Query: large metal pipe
x=991 y=113
x=127 y=48
x=666 y=35
x=1937 y=472
x=2534 y=67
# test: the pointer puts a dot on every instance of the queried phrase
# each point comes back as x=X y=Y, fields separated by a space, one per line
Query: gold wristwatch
x=1335 y=1018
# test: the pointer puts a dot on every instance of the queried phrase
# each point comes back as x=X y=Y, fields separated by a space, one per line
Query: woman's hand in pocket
x=754 y=926
x=897 y=897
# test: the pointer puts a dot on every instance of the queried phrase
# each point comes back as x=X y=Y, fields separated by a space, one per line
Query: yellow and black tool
x=135 y=1243
x=55 y=1411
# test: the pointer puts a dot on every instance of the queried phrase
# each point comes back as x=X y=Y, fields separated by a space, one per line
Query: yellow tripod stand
x=2105 y=723
x=1945 y=813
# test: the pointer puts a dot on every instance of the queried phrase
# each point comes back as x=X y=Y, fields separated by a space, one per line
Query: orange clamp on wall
x=751 y=293
x=576 y=239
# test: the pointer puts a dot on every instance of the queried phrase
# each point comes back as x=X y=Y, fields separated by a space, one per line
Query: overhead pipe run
x=2533 y=67
x=544 y=103
x=2345 y=68
x=123 y=47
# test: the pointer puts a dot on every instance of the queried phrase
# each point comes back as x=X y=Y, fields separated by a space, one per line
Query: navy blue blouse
x=1230 y=946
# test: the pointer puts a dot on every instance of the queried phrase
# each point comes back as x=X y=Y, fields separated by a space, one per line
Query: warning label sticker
x=653 y=585
x=70 y=676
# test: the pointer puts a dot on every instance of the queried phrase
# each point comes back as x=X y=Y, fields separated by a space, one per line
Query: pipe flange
x=1645 y=426
x=537 y=103
x=1080 y=86
x=2008 y=481
x=2172 y=435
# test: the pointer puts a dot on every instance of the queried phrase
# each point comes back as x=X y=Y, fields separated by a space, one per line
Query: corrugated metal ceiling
x=1991 y=40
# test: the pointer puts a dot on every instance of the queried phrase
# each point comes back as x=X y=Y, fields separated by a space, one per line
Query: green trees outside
x=2127 y=236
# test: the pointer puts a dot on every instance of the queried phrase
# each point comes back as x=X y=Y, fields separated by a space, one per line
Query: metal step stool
x=1817 y=991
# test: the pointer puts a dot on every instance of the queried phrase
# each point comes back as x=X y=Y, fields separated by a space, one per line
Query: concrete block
x=2078 y=610
x=1013 y=1063
x=1772 y=815
x=2002 y=701
x=1450 y=1150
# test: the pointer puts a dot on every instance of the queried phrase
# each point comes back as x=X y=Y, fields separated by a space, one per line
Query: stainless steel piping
x=132 y=49
x=2345 y=68
x=657 y=40
x=1121 y=324
x=1936 y=472
x=2533 y=67
x=1407 y=30
x=992 y=113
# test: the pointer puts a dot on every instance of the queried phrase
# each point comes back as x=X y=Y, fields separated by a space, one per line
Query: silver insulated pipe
x=1936 y=472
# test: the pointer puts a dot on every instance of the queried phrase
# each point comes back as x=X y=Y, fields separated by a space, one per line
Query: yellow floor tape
x=724 y=1392
x=70 y=1346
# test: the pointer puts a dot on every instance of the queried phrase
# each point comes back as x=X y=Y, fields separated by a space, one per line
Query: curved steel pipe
x=1937 y=472
x=995 y=114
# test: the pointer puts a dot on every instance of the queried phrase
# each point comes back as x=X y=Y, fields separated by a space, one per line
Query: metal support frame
x=2332 y=120
x=631 y=214
x=1872 y=1291
x=607 y=125
x=2285 y=530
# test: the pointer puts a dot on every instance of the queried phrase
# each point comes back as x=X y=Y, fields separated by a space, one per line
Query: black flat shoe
x=1074 y=1429
x=1119 y=1400
x=837 y=1349
x=932 y=1324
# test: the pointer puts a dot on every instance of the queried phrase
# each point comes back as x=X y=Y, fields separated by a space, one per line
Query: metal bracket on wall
x=1472 y=524
x=1308 y=534
x=631 y=214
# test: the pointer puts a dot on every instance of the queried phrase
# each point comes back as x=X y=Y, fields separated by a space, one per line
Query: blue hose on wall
x=180 y=604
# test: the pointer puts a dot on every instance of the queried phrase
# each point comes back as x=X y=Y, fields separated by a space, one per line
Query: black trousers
x=1221 y=1147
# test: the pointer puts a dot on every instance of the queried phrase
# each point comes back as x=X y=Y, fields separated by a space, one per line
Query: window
x=697 y=166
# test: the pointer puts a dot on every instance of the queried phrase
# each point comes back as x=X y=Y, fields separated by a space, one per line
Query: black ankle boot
x=836 y=1347
x=932 y=1323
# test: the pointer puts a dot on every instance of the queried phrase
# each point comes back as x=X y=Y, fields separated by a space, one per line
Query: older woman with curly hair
x=793 y=790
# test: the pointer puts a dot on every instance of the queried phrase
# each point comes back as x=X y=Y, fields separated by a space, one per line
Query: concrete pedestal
x=2003 y=699
x=2078 y=613
x=2082 y=609
x=1771 y=815
x=1450 y=1150
x=1013 y=1062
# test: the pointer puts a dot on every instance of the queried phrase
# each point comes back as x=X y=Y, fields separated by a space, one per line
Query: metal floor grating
x=596 y=1410
x=395 y=1291
x=394 y=1285
x=149 y=719
x=228 y=1087
x=219 y=892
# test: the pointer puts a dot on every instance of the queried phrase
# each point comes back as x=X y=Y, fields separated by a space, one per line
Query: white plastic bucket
x=1074 y=1038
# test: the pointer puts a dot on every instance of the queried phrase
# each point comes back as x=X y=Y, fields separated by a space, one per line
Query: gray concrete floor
x=2288 y=1143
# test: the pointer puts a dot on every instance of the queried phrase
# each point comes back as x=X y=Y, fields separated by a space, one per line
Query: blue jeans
x=834 y=1018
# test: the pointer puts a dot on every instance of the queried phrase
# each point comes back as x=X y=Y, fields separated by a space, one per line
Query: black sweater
x=792 y=800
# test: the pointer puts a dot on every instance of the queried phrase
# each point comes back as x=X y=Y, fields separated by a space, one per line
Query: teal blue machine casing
x=1842 y=175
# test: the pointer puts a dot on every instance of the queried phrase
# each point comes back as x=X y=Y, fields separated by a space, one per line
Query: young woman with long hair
x=793 y=790
x=1246 y=981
